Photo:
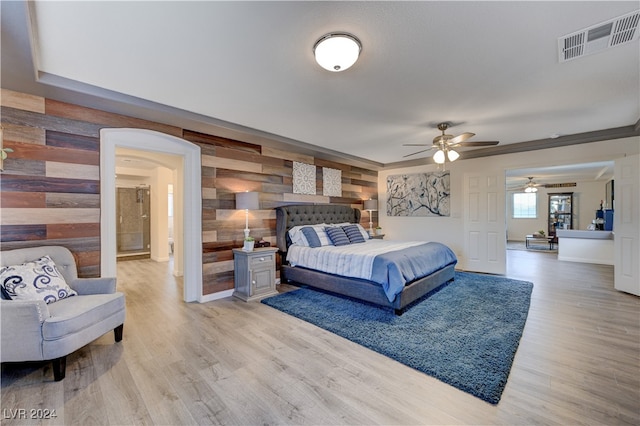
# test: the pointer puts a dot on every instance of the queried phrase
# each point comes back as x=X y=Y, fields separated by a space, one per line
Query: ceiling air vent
x=614 y=32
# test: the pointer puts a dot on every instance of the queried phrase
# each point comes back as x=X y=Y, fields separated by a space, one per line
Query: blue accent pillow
x=337 y=236
x=311 y=236
x=353 y=233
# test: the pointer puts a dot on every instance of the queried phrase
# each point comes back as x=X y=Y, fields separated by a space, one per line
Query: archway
x=188 y=184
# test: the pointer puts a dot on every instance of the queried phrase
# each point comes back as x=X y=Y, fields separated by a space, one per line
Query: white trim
x=215 y=296
x=149 y=140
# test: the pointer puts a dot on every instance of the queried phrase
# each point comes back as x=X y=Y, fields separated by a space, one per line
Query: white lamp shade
x=247 y=201
x=371 y=205
x=453 y=156
x=438 y=157
x=337 y=52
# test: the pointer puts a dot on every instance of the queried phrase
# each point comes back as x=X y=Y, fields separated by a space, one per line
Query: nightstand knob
x=262 y=259
x=253 y=281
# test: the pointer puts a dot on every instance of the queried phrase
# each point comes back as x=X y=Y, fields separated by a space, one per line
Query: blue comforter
x=394 y=269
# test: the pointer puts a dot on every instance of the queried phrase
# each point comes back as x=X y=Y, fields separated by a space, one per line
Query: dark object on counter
x=608 y=220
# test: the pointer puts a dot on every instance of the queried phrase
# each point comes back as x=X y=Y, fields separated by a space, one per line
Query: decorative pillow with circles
x=38 y=279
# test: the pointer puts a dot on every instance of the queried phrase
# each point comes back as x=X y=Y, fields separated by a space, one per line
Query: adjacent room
x=320 y=212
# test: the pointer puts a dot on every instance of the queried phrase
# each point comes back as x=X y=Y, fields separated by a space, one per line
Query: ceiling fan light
x=452 y=155
x=337 y=51
x=530 y=189
x=438 y=157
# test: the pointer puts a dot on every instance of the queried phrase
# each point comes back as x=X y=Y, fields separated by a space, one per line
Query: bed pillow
x=363 y=231
x=35 y=280
x=311 y=236
x=297 y=236
x=353 y=233
x=337 y=235
x=322 y=234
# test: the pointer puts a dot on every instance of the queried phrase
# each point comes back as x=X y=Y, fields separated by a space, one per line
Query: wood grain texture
x=33 y=216
x=105 y=119
x=14 y=133
x=22 y=101
x=52 y=153
x=49 y=122
x=22 y=199
x=22 y=233
x=57 y=156
x=237 y=363
x=78 y=171
x=46 y=184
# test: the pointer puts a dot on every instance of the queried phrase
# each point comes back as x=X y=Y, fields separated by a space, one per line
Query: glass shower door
x=133 y=224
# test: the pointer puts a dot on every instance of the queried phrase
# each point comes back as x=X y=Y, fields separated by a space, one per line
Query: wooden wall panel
x=105 y=119
x=22 y=101
x=50 y=190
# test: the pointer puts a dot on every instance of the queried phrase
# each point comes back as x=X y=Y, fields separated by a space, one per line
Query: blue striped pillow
x=353 y=233
x=337 y=236
x=312 y=237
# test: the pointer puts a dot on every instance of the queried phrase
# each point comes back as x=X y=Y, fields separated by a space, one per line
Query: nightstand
x=377 y=237
x=254 y=273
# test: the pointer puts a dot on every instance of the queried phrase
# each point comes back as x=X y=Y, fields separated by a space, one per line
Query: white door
x=484 y=223
x=626 y=224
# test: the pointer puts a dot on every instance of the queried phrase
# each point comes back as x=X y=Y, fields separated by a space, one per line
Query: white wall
x=586 y=200
x=450 y=230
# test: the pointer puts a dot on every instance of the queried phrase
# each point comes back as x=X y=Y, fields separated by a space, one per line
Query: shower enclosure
x=133 y=224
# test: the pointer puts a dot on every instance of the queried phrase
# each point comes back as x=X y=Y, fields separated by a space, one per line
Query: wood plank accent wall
x=50 y=188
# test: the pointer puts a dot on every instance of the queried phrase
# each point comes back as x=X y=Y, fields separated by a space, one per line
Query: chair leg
x=59 y=368
x=118 y=332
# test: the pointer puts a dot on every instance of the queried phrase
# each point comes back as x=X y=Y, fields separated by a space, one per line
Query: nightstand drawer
x=262 y=260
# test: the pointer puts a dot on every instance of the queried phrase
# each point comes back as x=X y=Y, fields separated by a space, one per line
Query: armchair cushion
x=71 y=316
x=38 y=279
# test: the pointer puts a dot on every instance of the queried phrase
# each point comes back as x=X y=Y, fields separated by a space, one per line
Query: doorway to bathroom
x=133 y=226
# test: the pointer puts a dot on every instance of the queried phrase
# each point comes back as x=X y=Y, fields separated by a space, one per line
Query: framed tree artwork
x=421 y=194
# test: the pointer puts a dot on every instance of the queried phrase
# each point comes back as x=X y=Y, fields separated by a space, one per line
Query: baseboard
x=585 y=260
x=216 y=296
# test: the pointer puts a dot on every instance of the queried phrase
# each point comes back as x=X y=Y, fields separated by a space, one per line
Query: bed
x=300 y=215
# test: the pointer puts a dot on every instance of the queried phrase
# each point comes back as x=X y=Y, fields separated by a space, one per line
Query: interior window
x=525 y=205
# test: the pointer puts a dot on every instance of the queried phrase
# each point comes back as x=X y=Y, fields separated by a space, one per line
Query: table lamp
x=370 y=205
x=247 y=201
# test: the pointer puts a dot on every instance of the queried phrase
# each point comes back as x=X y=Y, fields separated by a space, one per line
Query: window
x=525 y=205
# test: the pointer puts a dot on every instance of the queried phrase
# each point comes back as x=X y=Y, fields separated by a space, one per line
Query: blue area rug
x=465 y=333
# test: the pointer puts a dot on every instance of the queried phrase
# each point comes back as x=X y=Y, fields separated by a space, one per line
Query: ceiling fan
x=444 y=144
x=531 y=186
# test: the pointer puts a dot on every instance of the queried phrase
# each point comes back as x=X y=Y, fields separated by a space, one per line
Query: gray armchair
x=37 y=331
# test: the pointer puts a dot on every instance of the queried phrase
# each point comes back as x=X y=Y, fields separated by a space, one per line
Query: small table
x=541 y=240
x=254 y=273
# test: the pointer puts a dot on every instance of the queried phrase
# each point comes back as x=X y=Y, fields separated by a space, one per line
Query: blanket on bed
x=395 y=269
x=392 y=264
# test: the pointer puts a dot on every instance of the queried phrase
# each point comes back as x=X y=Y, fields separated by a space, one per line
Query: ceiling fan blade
x=478 y=143
x=461 y=138
x=409 y=155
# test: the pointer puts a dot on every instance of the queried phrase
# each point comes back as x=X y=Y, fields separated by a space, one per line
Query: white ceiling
x=491 y=68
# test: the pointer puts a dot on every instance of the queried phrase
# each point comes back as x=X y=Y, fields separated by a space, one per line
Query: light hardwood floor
x=230 y=362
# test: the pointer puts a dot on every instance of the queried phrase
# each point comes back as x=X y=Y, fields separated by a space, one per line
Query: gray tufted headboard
x=310 y=214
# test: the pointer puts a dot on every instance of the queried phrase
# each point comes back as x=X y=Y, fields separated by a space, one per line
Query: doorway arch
x=187 y=181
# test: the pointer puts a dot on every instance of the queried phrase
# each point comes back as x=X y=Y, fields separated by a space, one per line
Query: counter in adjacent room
x=585 y=246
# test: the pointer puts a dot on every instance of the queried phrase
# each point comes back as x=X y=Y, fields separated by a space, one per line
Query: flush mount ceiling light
x=337 y=51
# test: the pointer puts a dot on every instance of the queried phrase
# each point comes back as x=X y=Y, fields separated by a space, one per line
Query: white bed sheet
x=353 y=260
